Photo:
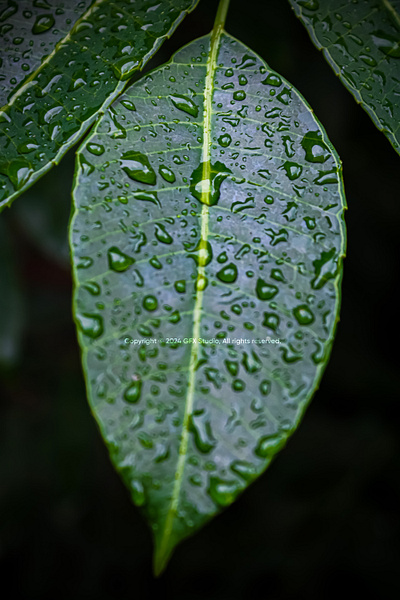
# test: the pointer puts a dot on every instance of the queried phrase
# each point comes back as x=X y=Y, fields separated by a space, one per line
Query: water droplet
x=92 y=287
x=309 y=4
x=96 y=149
x=232 y=366
x=180 y=286
x=200 y=426
x=315 y=149
x=150 y=303
x=325 y=268
x=138 y=494
x=125 y=67
x=224 y=140
x=303 y=315
x=251 y=362
x=239 y=95
x=264 y=290
x=206 y=180
x=269 y=445
x=201 y=283
x=186 y=104
x=147 y=197
x=90 y=324
x=273 y=79
x=133 y=391
x=326 y=177
x=293 y=170
x=271 y=320
x=118 y=260
x=265 y=387
x=228 y=274
x=202 y=254
x=43 y=23
x=388 y=44
x=136 y=165
x=223 y=492
x=167 y=174
x=162 y=234
x=244 y=469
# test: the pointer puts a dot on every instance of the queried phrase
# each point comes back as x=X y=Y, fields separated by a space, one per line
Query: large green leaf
x=207 y=238
x=62 y=64
x=361 y=42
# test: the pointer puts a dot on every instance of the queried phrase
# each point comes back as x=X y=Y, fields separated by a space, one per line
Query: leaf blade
x=361 y=42
x=70 y=81
x=184 y=472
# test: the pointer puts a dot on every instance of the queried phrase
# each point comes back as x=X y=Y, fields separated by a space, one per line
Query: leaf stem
x=220 y=18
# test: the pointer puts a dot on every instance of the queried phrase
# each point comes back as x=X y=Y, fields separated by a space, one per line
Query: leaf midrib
x=204 y=218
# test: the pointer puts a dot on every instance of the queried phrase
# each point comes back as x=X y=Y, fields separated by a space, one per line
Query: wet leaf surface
x=361 y=42
x=207 y=240
x=60 y=65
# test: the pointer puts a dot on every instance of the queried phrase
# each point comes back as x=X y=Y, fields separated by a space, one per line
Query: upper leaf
x=60 y=65
x=207 y=239
x=361 y=42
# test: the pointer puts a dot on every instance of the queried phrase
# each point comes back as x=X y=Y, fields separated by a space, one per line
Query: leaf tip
x=162 y=555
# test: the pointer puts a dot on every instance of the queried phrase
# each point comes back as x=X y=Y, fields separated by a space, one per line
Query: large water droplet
x=150 y=303
x=264 y=290
x=136 y=165
x=43 y=23
x=316 y=150
x=133 y=391
x=293 y=170
x=325 y=268
x=206 y=180
x=167 y=174
x=228 y=274
x=162 y=234
x=118 y=260
x=223 y=492
x=202 y=254
x=269 y=445
x=125 y=67
x=90 y=324
x=186 y=104
x=303 y=314
x=244 y=469
x=200 y=426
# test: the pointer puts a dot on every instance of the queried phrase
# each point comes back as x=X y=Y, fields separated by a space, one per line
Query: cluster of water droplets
x=246 y=239
x=361 y=39
x=108 y=43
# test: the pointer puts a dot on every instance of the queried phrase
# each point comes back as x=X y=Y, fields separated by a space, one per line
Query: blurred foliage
x=324 y=519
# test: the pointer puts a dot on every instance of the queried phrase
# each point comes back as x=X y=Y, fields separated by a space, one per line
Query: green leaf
x=361 y=42
x=207 y=245
x=12 y=306
x=60 y=67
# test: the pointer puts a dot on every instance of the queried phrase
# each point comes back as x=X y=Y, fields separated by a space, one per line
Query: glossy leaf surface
x=60 y=64
x=361 y=41
x=207 y=239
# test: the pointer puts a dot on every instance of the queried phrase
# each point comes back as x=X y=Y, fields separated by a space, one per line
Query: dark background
x=324 y=519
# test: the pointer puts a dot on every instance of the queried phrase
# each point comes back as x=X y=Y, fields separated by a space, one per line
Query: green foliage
x=64 y=66
x=207 y=231
x=361 y=42
x=224 y=224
